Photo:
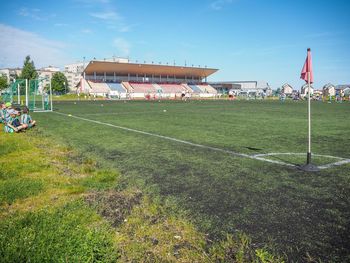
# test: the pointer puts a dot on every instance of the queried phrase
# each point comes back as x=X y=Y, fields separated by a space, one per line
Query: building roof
x=342 y=87
x=234 y=82
x=10 y=68
x=149 y=69
x=287 y=85
x=306 y=86
x=328 y=85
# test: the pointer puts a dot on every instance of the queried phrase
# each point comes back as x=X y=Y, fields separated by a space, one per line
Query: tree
x=28 y=71
x=3 y=82
x=277 y=92
x=59 y=83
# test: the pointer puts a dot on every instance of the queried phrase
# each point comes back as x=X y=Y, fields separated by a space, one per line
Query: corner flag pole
x=307 y=75
x=308 y=161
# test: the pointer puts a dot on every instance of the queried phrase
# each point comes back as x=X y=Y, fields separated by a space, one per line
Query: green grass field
x=57 y=205
x=294 y=212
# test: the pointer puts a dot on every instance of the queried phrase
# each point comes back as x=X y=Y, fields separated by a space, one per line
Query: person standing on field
x=230 y=94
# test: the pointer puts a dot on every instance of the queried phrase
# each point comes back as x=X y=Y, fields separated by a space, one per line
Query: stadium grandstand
x=125 y=80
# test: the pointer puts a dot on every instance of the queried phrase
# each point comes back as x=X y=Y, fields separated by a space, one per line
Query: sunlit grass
x=63 y=207
x=42 y=218
x=70 y=233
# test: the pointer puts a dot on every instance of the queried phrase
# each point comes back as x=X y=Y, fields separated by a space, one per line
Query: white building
x=11 y=73
x=287 y=89
x=73 y=73
x=243 y=87
x=115 y=59
x=46 y=75
x=328 y=90
x=343 y=89
x=304 y=90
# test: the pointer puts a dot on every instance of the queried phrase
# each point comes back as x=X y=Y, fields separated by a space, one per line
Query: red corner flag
x=307 y=68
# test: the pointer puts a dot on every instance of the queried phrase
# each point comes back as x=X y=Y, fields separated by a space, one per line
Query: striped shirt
x=7 y=128
x=25 y=119
x=4 y=116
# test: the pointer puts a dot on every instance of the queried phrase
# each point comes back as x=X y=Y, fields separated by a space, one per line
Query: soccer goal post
x=39 y=95
x=32 y=93
x=15 y=93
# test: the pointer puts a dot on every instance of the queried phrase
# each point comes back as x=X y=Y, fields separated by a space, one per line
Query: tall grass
x=71 y=233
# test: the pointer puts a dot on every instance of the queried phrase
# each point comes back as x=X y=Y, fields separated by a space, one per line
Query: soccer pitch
x=231 y=165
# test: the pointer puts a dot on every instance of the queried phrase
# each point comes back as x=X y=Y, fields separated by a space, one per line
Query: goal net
x=32 y=93
x=39 y=97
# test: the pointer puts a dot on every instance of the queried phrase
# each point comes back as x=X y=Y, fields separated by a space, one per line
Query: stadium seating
x=127 y=86
x=158 y=88
x=172 y=88
x=143 y=88
x=203 y=88
x=207 y=89
x=99 y=88
x=195 y=89
x=117 y=87
x=187 y=88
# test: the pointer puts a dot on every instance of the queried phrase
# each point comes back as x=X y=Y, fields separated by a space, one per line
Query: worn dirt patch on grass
x=113 y=205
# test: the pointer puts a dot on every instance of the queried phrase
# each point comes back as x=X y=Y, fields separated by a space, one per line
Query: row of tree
x=58 y=81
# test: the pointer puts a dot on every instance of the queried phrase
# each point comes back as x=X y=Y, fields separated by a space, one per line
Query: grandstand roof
x=148 y=69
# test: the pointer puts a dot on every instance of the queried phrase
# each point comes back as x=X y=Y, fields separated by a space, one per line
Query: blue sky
x=244 y=39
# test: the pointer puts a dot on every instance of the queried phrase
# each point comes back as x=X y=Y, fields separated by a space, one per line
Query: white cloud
x=30 y=12
x=123 y=47
x=110 y=15
x=113 y=21
x=120 y=27
x=219 y=4
x=16 y=44
x=35 y=13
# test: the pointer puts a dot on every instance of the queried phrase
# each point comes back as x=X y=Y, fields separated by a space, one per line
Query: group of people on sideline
x=15 y=119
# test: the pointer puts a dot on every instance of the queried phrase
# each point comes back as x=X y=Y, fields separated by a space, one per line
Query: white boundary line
x=341 y=161
x=122 y=113
x=325 y=166
x=254 y=157
x=319 y=155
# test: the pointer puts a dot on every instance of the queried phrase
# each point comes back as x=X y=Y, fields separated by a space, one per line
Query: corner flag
x=307 y=75
x=307 y=68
